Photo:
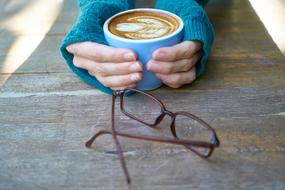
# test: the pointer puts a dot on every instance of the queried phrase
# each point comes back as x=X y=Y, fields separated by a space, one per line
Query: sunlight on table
x=272 y=15
x=29 y=27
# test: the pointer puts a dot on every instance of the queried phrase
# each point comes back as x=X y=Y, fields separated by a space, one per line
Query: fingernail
x=158 y=75
x=135 y=67
x=135 y=77
x=160 y=55
x=153 y=66
x=129 y=57
x=69 y=49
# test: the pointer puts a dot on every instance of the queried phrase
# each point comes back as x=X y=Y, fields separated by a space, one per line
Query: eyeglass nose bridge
x=169 y=113
x=164 y=112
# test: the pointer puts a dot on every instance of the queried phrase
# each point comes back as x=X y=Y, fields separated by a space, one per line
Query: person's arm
x=197 y=24
x=89 y=28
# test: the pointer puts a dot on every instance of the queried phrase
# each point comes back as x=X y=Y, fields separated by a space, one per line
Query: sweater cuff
x=89 y=27
x=199 y=30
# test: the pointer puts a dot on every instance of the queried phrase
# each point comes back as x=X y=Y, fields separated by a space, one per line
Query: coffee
x=143 y=25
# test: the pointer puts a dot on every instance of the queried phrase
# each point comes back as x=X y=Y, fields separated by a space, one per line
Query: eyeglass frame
x=187 y=143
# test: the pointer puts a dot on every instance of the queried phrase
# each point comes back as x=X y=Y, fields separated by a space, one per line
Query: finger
x=176 y=80
x=120 y=80
x=184 y=50
x=101 y=53
x=173 y=67
x=107 y=69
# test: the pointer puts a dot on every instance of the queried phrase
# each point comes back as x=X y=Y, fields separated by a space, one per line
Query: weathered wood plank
x=42 y=83
x=230 y=74
x=207 y=103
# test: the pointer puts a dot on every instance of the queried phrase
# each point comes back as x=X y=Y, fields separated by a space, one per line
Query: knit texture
x=93 y=14
x=202 y=2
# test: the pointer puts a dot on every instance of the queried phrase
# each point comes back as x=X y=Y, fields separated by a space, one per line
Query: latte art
x=143 y=25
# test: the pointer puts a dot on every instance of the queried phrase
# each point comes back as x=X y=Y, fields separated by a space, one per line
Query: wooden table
x=47 y=113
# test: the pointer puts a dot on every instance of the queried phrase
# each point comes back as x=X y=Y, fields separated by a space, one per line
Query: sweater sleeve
x=197 y=24
x=202 y=2
x=89 y=27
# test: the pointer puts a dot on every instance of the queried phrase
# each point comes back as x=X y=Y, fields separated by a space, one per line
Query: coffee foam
x=143 y=25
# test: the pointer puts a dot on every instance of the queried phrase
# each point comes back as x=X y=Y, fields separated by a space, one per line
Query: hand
x=175 y=65
x=115 y=68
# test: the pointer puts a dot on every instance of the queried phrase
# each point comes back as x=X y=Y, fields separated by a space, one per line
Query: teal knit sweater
x=93 y=14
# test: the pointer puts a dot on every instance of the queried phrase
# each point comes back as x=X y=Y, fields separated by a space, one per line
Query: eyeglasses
x=187 y=129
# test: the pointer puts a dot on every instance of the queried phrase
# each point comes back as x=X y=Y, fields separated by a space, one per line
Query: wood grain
x=47 y=113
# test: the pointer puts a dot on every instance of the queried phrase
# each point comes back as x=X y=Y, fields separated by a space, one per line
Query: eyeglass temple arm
x=114 y=135
x=89 y=143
